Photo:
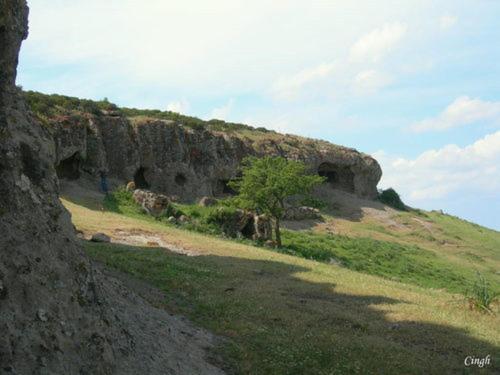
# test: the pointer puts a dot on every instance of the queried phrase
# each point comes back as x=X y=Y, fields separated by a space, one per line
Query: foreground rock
x=100 y=237
x=58 y=314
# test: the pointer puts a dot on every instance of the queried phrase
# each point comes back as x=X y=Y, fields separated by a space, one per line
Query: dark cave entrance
x=338 y=177
x=140 y=180
x=180 y=179
x=249 y=229
x=69 y=168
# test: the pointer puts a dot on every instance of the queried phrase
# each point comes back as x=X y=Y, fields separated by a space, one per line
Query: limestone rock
x=100 y=237
x=130 y=186
x=207 y=202
x=301 y=213
x=168 y=158
x=262 y=228
x=152 y=203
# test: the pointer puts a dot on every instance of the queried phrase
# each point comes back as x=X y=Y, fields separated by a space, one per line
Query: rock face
x=58 y=314
x=191 y=163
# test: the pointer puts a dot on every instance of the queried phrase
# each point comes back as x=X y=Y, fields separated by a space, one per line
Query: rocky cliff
x=58 y=313
x=186 y=161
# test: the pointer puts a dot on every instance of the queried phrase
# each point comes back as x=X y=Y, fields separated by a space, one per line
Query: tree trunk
x=277 y=231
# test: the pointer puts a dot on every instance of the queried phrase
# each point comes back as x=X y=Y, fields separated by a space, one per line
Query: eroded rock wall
x=58 y=313
x=180 y=161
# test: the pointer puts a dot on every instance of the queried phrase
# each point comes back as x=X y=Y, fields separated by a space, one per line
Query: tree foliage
x=267 y=182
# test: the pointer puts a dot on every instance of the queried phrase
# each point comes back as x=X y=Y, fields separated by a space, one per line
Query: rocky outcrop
x=177 y=160
x=302 y=213
x=152 y=203
x=58 y=313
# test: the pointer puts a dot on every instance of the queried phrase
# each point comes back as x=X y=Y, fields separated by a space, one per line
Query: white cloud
x=435 y=174
x=447 y=21
x=369 y=81
x=222 y=113
x=338 y=76
x=290 y=87
x=462 y=111
x=378 y=43
x=180 y=106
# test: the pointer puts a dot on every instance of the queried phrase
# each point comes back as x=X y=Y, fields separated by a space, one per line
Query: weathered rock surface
x=58 y=313
x=152 y=203
x=100 y=237
x=207 y=202
x=175 y=160
x=301 y=213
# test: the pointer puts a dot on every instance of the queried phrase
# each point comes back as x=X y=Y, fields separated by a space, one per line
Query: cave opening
x=249 y=229
x=180 y=179
x=338 y=177
x=69 y=168
x=140 y=179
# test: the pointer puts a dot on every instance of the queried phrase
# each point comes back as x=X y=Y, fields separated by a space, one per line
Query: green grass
x=396 y=261
x=405 y=263
x=285 y=316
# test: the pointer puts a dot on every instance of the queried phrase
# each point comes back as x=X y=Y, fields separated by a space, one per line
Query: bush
x=172 y=210
x=226 y=218
x=480 y=295
x=313 y=202
x=391 y=198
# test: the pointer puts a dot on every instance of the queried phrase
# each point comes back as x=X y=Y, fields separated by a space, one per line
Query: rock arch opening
x=140 y=179
x=338 y=177
x=180 y=179
x=69 y=168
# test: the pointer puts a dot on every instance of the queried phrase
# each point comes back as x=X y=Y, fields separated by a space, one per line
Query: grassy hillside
x=382 y=306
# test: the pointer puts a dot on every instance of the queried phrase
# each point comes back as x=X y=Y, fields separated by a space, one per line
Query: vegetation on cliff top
x=46 y=106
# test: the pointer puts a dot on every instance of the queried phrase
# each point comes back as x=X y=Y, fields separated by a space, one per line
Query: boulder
x=152 y=203
x=207 y=201
x=301 y=213
x=130 y=186
x=262 y=228
x=100 y=237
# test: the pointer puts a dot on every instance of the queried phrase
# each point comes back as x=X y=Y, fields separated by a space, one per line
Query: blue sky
x=416 y=85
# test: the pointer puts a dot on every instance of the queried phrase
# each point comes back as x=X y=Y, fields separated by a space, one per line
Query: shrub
x=172 y=210
x=226 y=218
x=313 y=202
x=391 y=198
x=480 y=295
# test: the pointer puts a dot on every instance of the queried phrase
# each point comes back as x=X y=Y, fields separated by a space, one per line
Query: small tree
x=267 y=182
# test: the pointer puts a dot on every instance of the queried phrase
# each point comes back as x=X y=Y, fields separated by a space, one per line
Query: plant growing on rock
x=267 y=182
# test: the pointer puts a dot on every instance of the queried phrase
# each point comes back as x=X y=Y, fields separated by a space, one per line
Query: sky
x=416 y=84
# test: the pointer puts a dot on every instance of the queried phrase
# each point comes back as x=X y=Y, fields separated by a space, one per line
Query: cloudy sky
x=416 y=85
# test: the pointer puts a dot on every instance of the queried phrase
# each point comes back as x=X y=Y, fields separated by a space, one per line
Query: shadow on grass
x=281 y=318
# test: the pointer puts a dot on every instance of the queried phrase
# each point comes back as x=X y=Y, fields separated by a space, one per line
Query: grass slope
x=288 y=315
